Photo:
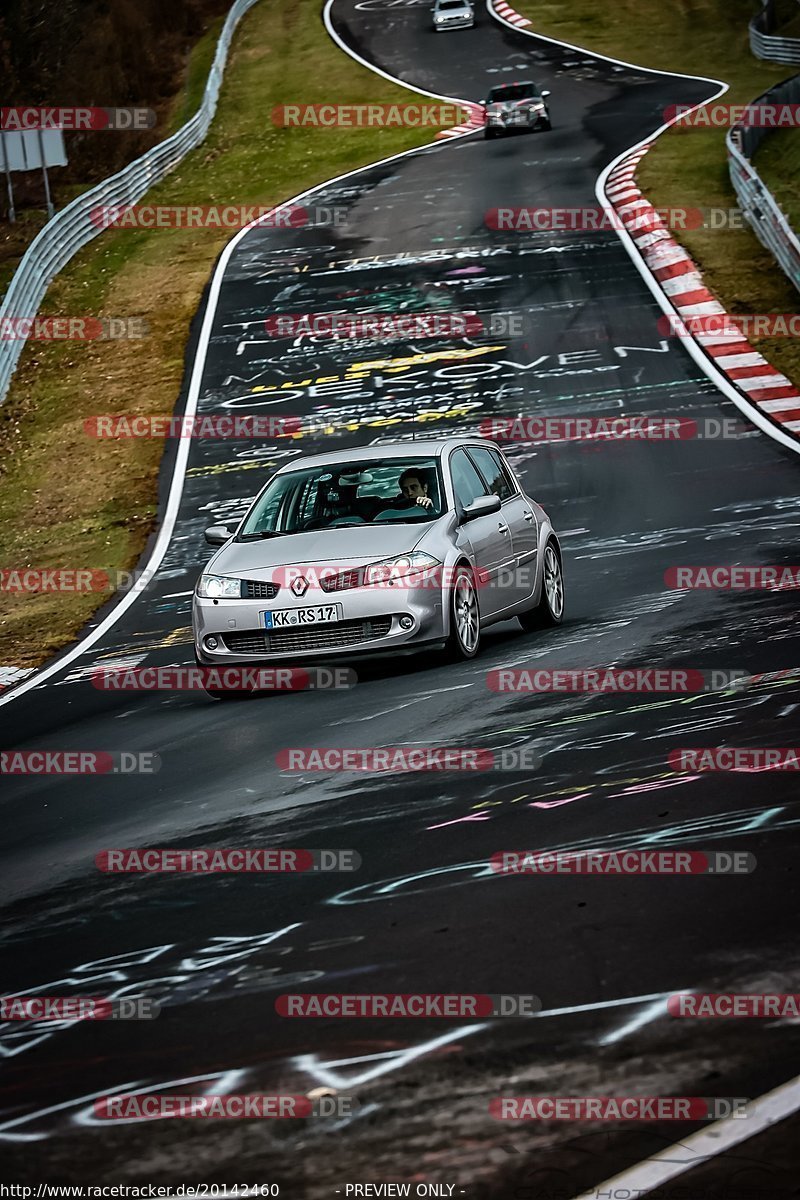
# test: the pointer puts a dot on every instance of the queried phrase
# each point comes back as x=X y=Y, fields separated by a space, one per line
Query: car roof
x=501 y=87
x=421 y=448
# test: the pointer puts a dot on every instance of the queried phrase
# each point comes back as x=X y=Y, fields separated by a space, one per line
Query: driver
x=414 y=490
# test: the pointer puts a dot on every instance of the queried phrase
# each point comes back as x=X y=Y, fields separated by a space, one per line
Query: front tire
x=550 y=609
x=217 y=693
x=465 y=621
x=221 y=694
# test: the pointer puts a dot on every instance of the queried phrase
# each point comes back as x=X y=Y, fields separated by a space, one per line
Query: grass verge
x=778 y=164
x=66 y=500
x=688 y=168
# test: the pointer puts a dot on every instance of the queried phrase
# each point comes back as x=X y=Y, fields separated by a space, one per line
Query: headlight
x=407 y=570
x=215 y=587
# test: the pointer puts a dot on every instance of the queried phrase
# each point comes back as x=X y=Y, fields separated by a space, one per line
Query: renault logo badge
x=300 y=586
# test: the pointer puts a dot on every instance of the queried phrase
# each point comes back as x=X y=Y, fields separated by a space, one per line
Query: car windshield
x=513 y=91
x=452 y=4
x=372 y=491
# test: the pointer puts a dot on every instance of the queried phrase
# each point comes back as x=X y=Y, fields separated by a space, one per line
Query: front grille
x=245 y=643
x=320 y=637
x=258 y=589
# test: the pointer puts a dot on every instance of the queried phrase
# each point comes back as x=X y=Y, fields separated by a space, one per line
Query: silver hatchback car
x=516 y=108
x=453 y=14
x=379 y=550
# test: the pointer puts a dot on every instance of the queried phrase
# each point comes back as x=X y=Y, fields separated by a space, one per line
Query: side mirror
x=545 y=94
x=218 y=535
x=484 y=506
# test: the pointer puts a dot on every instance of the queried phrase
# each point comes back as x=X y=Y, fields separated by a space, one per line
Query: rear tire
x=489 y=133
x=464 y=641
x=550 y=609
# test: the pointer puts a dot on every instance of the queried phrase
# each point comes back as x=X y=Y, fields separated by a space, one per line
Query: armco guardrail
x=769 y=46
x=757 y=203
x=72 y=228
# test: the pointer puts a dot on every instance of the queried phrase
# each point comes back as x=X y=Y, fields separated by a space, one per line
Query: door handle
x=528 y=516
x=503 y=527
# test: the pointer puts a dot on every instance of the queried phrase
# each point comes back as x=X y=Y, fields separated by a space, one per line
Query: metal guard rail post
x=760 y=208
x=72 y=228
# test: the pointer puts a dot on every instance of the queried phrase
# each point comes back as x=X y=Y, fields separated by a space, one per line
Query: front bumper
x=512 y=124
x=454 y=23
x=368 y=624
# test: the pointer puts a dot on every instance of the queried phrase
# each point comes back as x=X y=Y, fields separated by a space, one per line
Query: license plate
x=286 y=618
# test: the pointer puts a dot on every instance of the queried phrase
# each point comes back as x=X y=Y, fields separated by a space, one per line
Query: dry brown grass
x=67 y=500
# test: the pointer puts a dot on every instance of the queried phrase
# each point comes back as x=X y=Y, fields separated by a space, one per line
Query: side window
x=467 y=483
x=493 y=470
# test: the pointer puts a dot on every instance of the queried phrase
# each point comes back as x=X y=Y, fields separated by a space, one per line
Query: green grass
x=188 y=101
x=778 y=164
x=791 y=28
x=787 y=19
x=67 y=500
x=688 y=169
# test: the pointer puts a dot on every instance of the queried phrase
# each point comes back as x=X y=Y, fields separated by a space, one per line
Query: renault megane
x=378 y=551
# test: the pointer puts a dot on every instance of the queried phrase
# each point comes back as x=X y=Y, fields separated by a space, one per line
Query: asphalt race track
x=425 y=913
